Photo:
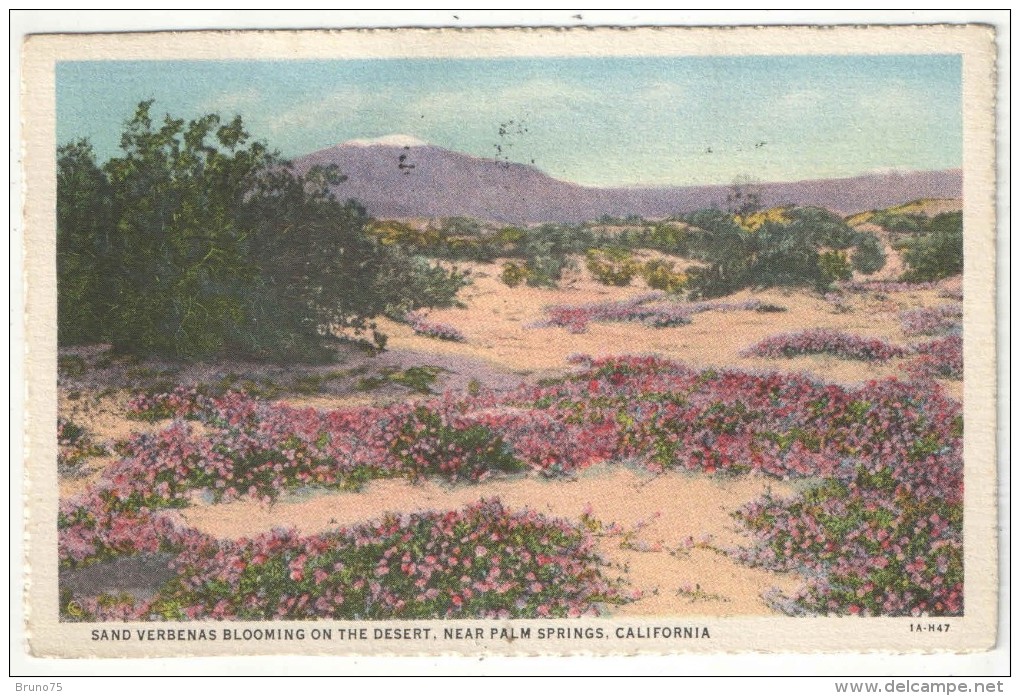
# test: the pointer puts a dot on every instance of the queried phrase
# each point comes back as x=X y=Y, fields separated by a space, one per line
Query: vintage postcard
x=510 y=341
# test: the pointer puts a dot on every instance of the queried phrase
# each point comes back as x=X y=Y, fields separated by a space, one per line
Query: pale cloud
x=800 y=101
x=321 y=113
x=661 y=92
x=894 y=101
x=234 y=102
x=533 y=97
x=545 y=90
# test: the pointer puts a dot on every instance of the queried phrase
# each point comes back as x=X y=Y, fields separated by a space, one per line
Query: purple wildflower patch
x=886 y=449
x=828 y=342
x=575 y=318
x=433 y=329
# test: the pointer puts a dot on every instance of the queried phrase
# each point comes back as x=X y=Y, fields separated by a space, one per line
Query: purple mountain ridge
x=402 y=177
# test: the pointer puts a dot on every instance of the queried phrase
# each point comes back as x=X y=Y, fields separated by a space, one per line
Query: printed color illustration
x=596 y=338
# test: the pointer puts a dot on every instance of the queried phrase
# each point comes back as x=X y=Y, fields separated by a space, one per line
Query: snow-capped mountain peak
x=392 y=140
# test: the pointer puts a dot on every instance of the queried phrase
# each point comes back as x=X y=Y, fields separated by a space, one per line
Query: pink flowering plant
x=883 y=286
x=882 y=446
x=941 y=358
x=75 y=444
x=932 y=321
x=181 y=402
x=256 y=449
x=839 y=301
x=825 y=342
x=890 y=458
x=866 y=549
x=479 y=562
x=433 y=443
x=434 y=329
x=99 y=525
x=645 y=308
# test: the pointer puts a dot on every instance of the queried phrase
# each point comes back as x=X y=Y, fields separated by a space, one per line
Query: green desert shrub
x=833 y=266
x=809 y=247
x=612 y=265
x=937 y=254
x=513 y=274
x=198 y=242
x=869 y=256
x=660 y=276
x=536 y=272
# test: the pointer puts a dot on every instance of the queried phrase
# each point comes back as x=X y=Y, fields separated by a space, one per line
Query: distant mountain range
x=399 y=176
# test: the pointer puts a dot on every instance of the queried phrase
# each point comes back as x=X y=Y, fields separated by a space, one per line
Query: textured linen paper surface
x=524 y=341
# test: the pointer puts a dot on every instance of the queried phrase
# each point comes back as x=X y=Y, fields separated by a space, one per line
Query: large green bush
x=411 y=282
x=197 y=242
x=869 y=256
x=937 y=254
x=806 y=249
x=85 y=223
x=903 y=223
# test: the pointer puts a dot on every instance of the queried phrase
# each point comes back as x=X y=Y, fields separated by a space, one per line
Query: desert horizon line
x=409 y=141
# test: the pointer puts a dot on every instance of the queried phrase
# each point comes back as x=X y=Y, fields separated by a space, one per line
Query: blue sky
x=612 y=121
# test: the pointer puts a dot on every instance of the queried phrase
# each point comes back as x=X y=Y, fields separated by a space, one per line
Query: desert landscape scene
x=388 y=380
